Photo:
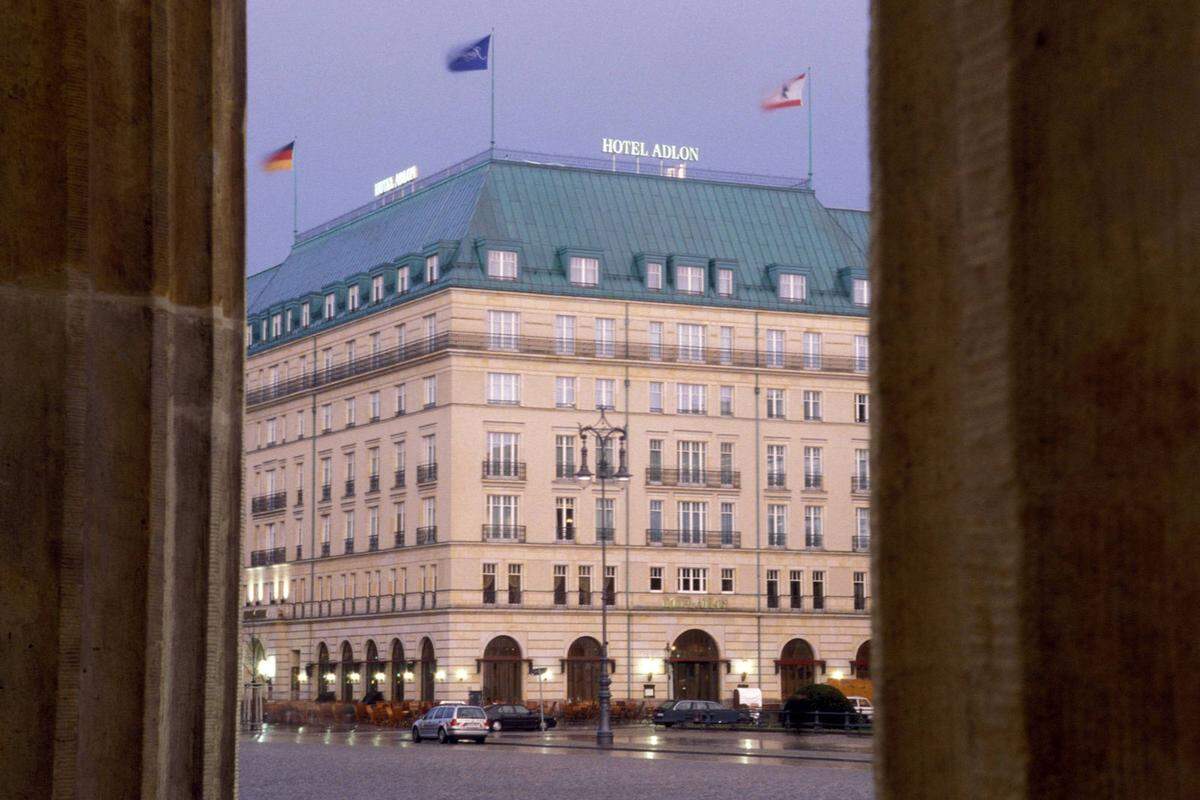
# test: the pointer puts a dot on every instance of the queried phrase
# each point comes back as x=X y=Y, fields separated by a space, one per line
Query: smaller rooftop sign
x=631 y=147
x=407 y=175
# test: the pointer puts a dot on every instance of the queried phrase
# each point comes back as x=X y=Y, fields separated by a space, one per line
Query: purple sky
x=363 y=88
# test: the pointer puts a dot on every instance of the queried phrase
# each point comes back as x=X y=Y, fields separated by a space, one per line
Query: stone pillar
x=1037 y=334
x=121 y=295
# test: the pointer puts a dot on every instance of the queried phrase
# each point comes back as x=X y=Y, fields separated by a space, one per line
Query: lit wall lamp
x=330 y=677
x=353 y=677
x=440 y=675
x=744 y=666
x=460 y=675
x=302 y=676
x=837 y=675
x=266 y=668
x=651 y=667
x=408 y=676
x=380 y=677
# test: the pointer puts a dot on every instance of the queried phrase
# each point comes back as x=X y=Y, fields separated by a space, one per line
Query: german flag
x=281 y=159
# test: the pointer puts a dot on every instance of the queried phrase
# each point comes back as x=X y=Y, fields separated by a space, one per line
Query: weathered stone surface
x=1037 y=187
x=121 y=289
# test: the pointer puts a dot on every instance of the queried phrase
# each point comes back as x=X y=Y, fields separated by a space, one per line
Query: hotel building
x=416 y=375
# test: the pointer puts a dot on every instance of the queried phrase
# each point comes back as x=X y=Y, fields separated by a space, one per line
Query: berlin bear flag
x=473 y=56
x=789 y=95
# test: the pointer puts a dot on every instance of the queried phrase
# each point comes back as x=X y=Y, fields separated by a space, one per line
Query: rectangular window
x=812 y=405
x=776 y=466
x=330 y=305
x=504 y=388
x=564 y=392
x=725 y=343
x=514 y=584
x=818 y=590
x=276 y=325
x=564 y=456
x=656 y=521
x=605 y=341
x=656 y=341
x=401 y=399
x=288 y=321
x=375 y=345
x=862 y=529
x=727 y=586
x=726 y=401
x=691 y=342
x=585 y=271
x=604 y=519
x=564 y=335
x=862 y=292
x=772 y=588
x=862 y=408
x=401 y=280
x=585 y=585
x=350 y=346
x=812 y=351
x=775 y=404
x=813 y=468
x=503 y=455
x=429 y=446
x=727 y=524
x=776 y=348
x=352 y=298
x=432 y=272
x=489 y=584
x=300 y=424
x=429 y=511
x=373 y=402
x=502 y=264
x=689 y=280
x=605 y=392
x=692 y=397
x=656 y=397
x=861 y=479
x=793 y=288
x=693 y=580
x=656 y=579
x=564 y=519
x=862 y=353
x=654 y=276
x=305 y=313
x=560 y=584
x=430 y=384
x=656 y=446
x=860 y=591
x=690 y=458
x=796 y=588
x=376 y=288
x=503 y=329
x=777 y=525
x=725 y=282
x=398 y=531
x=693 y=519
x=401 y=338
x=430 y=321
x=350 y=415
x=814 y=526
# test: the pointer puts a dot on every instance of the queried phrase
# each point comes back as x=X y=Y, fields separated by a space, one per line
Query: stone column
x=121 y=295
x=1037 y=335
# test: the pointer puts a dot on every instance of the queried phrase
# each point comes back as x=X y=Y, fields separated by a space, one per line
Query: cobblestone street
x=291 y=764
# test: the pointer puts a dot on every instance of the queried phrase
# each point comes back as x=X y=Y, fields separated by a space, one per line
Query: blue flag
x=473 y=56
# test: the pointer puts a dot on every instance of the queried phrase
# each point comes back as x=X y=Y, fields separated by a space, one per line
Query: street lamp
x=603 y=432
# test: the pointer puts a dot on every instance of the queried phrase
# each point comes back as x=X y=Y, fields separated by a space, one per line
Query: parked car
x=503 y=717
x=862 y=705
x=452 y=722
x=700 y=712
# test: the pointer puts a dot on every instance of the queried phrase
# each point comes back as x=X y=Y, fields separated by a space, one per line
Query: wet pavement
x=298 y=763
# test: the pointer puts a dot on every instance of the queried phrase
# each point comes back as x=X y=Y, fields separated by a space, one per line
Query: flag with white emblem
x=791 y=94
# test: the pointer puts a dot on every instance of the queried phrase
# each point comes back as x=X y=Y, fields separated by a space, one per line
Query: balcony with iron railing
x=267 y=503
x=349 y=488
x=349 y=545
x=814 y=481
x=427 y=473
x=606 y=534
x=372 y=543
x=299 y=552
x=564 y=470
x=564 y=533
x=326 y=493
x=534 y=345
x=504 y=533
x=398 y=539
x=324 y=549
x=265 y=558
x=398 y=478
x=504 y=470
x=860 y=484
x=776 y=479
x=814 y=541
x=300 y=497
x=671 y=537
x=427 y=534
x=372 y=483
x=514 y=595
x=697 y=478
x=861 y=544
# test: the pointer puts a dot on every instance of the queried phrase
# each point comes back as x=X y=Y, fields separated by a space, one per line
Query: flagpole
x=492 y=70
x=810 y=126
x=295 y=196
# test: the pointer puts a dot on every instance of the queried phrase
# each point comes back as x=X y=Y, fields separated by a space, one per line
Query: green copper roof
x=548 y=212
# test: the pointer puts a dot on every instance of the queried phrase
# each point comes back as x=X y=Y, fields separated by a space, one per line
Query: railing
x=372 y=483
x=503 y=533
x=585 y=597
x=504 y=470
x=564 y=534
x=349 y=488
x=265 y=558
x=299 y=497
x=672 y=537
x=536 y=345
x=399 y=539
x=564 y=471
x=777 y=540
x=399 y=479
x=266 y=503
x=427 y=534
x=426 y=473
x=704 y=478
x=776 y=480
x=326 y=493
x=514 y=596
x=814 y=541
x=860 y=484
x=861 y=544
x=324 y=549
x=489 y=595
x=349 y=545
x=814 y=480
x=372 y=543
x=299 y=552
x=605 y=534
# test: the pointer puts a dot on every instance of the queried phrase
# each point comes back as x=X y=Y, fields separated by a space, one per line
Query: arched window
x=324 y=670
x=695 y=667
x=583 y=665
x=428 y=668
x=861 y=665
x=374 y=668
x=347 y=668
x=503 y=680
x=797 y=667
x=398 y=667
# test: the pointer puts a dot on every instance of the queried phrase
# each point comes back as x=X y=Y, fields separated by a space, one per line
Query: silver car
x=450 y=723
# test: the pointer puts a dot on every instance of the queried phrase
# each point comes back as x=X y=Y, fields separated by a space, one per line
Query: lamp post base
x=604 y=734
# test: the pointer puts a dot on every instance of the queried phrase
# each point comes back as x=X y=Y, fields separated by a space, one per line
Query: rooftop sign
x=630 y=147
x=396 y=181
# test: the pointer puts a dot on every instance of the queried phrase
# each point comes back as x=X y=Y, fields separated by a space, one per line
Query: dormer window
x=502 y=264
x=585 y=271
x=304 y=315
x=862 y=292
x=793 y=287
x=330 y=305
x=402 y=280
x=689 y=280
x=276 y=325
x=654 y=276
x=725 y=282
x=287 y=320
x=263 y=337
x=432 y=270
x=352 y=298
x=376 y=288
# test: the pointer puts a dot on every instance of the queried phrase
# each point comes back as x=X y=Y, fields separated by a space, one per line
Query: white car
x=862 y=705
x=451 y=723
